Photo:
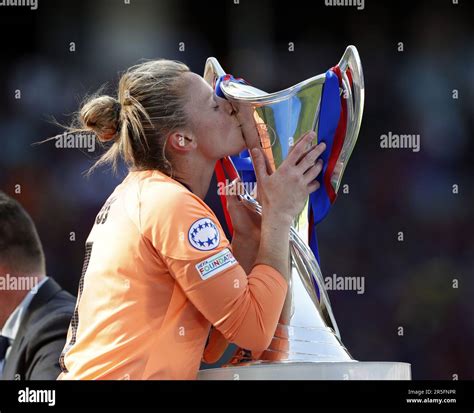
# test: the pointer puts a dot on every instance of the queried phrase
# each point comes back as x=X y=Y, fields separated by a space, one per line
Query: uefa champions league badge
x=204 y=235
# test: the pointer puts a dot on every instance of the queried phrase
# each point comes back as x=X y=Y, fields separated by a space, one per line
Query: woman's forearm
x=272 y=248
x=274 y=242
x=245 y=250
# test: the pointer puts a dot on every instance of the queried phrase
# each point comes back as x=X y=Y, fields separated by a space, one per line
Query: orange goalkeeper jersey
x=158 y=273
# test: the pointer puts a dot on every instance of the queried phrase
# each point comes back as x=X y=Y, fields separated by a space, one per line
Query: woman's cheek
x=222 y=126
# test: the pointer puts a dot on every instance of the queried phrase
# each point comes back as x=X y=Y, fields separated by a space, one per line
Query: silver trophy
x=307 y=342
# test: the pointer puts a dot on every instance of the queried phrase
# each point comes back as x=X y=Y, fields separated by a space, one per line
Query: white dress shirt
x=12 y=325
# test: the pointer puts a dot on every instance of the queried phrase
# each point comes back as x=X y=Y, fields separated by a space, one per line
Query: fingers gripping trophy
x=307 y=343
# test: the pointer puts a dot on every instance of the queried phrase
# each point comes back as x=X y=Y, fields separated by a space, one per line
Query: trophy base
x=352 y=370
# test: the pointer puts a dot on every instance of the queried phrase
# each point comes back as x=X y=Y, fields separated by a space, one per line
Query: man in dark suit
x=34 y=311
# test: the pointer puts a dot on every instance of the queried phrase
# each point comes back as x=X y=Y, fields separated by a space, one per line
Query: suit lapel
x=43 y=295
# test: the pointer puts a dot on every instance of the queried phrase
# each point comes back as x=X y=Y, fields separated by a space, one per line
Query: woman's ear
x=182 y=142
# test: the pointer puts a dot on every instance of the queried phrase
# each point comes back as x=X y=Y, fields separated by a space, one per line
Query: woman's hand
x=284 y=192
x=247 y=227
x=246 y=223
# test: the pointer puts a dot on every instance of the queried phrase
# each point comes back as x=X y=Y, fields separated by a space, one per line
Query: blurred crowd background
x=408 y=284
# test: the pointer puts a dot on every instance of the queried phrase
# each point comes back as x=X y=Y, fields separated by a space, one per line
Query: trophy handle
x=212 y=71
x=353 y=90
x=351 y=61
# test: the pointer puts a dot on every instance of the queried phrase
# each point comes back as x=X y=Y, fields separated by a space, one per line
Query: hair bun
x=102 y=115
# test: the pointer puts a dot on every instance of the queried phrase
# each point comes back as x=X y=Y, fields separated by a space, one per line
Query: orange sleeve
x=215 y=347
x=244 y=309
x=199 y=257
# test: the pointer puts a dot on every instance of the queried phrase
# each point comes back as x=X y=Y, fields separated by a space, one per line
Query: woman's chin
x=242 y=148
x=239 y=146
x=236 y=152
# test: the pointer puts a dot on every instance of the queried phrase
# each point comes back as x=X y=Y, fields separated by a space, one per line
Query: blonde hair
x=149 y=105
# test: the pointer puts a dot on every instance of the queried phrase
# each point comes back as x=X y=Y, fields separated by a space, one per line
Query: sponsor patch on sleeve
x=215 y=264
